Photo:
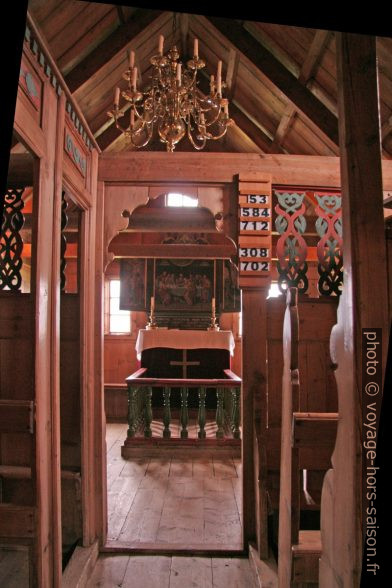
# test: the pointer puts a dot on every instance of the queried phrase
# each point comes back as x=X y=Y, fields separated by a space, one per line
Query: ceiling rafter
x=284 y=80
x=115 y=43
x=257 y=135
x=307 y=72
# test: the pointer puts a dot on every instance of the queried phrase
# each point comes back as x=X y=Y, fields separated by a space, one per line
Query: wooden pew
x=307 y=439
x=317 y=393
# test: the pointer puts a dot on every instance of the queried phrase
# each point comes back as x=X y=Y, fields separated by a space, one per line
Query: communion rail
x=140 y=410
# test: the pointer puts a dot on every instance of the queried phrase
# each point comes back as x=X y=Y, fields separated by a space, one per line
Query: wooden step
x=314 y=429
x=305 y=557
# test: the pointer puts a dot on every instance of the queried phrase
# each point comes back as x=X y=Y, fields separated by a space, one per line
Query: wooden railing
x=140 y=410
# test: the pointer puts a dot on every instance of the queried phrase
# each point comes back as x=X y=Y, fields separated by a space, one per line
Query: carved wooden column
x=254 y=248
x=363 y=305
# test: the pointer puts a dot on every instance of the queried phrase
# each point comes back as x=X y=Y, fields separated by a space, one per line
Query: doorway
x=161 y=498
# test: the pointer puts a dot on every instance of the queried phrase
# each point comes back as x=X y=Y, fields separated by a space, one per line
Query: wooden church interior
x=266 y=407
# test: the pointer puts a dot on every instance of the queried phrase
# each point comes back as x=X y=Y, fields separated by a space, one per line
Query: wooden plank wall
x=317 y=382
x=16 y=349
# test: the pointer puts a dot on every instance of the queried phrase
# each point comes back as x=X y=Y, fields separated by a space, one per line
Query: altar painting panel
x=184 y=284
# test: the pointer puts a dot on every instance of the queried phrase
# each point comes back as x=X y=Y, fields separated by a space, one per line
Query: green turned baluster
x=236 y=392
x=219 y=412
x=202 y=413
x=132 y=411
x=184 y=413
x=147 y=412
x=166 y=412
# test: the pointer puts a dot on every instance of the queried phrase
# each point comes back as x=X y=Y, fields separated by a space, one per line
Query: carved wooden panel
x=329 y=248
x=11 y=243
x=291 y=247
x=76 y=151
x=31 y=87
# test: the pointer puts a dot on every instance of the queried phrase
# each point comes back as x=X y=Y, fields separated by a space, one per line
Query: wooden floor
x=143 y=571
x=14 y=567
x=192 y=503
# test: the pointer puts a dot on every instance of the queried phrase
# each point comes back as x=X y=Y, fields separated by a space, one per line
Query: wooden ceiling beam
x=184 y=31
x=111 y=134
x=386 y=128
x=231 y=76
x=300 y=97
x=313 y=58
x=242 y=120
x=117 y=42
x=307 y=72
x=256 y=135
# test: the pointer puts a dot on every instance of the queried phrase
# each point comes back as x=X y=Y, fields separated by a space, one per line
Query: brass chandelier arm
x=198 y=147
x=173 y=105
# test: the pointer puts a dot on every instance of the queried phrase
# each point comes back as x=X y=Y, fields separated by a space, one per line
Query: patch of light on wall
x=181 y=200
x=274 y=291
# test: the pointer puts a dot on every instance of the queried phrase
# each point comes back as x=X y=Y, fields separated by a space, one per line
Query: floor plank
x=143 y=571
x=109 y=571
x=14 y=567
x=195 y=572
x=151 y=573
x=232 y=573
x=169 y=500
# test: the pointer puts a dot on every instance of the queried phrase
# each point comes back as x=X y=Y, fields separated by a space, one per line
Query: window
x=274 y=291
x=119 y=320
x=180 y=200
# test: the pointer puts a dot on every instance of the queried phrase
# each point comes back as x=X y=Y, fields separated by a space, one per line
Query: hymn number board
x=255 y=234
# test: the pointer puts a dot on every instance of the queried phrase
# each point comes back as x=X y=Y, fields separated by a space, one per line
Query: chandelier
x=172 y=103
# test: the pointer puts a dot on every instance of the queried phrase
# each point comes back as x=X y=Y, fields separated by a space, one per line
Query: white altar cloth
x=178 y=339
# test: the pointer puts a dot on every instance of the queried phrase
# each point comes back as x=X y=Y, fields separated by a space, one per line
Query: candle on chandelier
x=134 y=78
x=219 y=78
x=152 y=304
x=116 y=96
x=131 y=59
x=213 y=306
x=132 y=118
x=160 y=44
x=196 y=48
x=178 y=72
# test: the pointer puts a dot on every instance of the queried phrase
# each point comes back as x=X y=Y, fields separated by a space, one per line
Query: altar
x=174 y=353
x=184 y=374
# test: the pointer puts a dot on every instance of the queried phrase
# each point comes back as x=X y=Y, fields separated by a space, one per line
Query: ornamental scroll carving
x=291 y=246
x=11 y=243
x=329 y=248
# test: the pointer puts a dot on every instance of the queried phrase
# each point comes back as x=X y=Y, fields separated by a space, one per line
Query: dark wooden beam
x=115 y=43
x=363 y=306
x=286 y=82
x=108 y=137
x=308 y=70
